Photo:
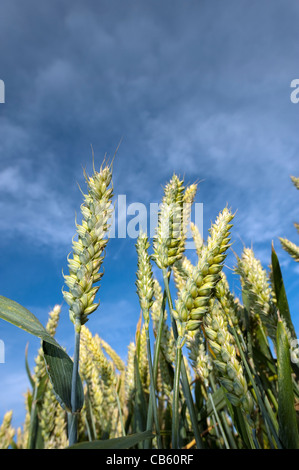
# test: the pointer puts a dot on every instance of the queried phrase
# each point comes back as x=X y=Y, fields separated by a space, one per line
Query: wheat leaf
x=125 y=442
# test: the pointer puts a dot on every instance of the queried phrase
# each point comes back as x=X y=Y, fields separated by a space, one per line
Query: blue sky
x=201 y=88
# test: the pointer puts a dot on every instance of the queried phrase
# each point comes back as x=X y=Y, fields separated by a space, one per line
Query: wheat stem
x=176 y=394
x=185 y=383
x=73 y=431
x=155 y=364
x=120 y=414
x=218 y=421
x=152 y=399
x=33 y=421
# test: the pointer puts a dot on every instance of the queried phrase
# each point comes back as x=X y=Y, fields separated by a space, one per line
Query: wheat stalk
x=88 y=255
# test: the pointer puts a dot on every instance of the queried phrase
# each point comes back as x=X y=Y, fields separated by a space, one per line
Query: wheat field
x=207 y=369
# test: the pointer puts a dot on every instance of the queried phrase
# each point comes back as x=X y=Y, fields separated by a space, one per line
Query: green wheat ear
x=295 y=181
x=88 y=251
x=145 y=281
x=168 y=241
x=254 y=279
x=291 y=248
x=193 y=300
x=229 y=368
x=7 y=432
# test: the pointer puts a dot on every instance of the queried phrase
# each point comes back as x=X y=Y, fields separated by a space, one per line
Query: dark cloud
x=198 y=89
x=201 y=88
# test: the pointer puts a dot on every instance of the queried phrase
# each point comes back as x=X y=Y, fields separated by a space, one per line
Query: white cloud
x=201 y=94
x=34 y=209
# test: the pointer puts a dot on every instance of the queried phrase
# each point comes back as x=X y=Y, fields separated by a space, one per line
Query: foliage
x=221 y=372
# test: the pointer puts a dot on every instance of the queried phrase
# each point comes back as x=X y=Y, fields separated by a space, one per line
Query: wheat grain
x=192 y=303
x=229 y=369
x=88 y=251
x=291 y=248
x=197 y=238
x=119 y=363
x=199 y=358
x=256 y=282
x=144 y=280
x=7 y=432
x=168 y=244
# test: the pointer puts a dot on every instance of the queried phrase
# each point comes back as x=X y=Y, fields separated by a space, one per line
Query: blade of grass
x=280 y=292
x=90 y=419
x=149 y=422
x=219 y=422
x=228 y=431
x=152 y=399
x=176 y=394
x=30 y=378
x=120 y=414
x=267 y=418
x=34 y=430
x=243 y=427
x=73 y=429
x=215 y=401
x=282 y=301
x=288 y=430
x=140 y=406
x=126 y=442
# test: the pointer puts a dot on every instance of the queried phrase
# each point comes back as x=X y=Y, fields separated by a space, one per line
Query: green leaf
x=282 y=301
x=32 y=383
x=59 y=364
x=41 y=388
x=218 y=400
x=288 y=431
x=90 y=418
x=19 y=316
x=280 y=293
x=35 y=438
x=60 y=369
x=125 y=442
x=140 y=406
x=242 y=427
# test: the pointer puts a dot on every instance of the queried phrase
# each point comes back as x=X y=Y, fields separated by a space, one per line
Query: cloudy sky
x=200 y=88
